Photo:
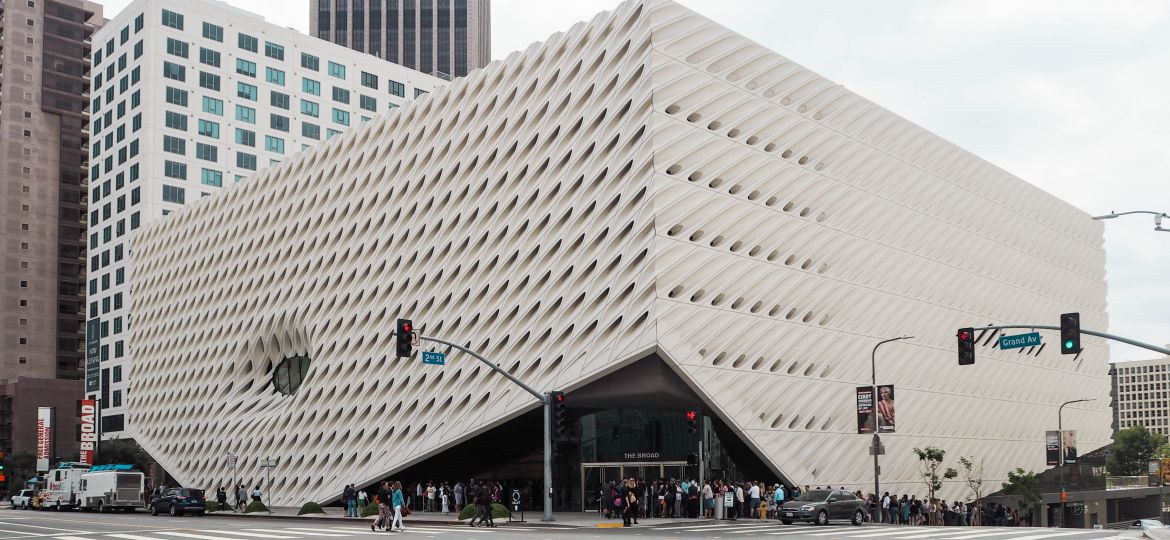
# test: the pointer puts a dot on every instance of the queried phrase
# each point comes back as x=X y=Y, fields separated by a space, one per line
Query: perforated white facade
x=646 y=183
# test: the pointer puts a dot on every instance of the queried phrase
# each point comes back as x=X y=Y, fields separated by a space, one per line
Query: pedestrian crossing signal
x=693 y=422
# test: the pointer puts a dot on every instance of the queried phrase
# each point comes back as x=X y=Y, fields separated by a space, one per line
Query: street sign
x=231 y=460
x=436 y=358
x=268 y=463
x=1019 y=341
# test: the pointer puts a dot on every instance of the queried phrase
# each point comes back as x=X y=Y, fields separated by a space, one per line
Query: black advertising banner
x=885 y=408
x=864 y=409
x=93 y=357
x=1154 y=472
x=1052 y=447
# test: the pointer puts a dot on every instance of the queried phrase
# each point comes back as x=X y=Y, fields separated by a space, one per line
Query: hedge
x=370 y=510
x=311 y=508
x=499 y=511
x=255 y=506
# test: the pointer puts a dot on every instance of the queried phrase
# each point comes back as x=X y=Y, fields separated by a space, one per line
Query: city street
x=140 y=526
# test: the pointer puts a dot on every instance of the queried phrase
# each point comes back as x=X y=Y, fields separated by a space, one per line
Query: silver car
x=820 y=506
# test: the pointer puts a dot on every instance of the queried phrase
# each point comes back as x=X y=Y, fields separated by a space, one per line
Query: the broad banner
x=89 y=435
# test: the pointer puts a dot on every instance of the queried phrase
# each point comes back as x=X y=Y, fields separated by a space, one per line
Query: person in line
x=398 y=502
x=708 y=501
x=348 y=500
x=458 y=497
x=753 y=500
x=444 y=497
x=362 y=501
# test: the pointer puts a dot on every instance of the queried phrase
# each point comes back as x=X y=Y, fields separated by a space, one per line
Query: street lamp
x=1060 y=433
x=1157 y=217
x=877 y=439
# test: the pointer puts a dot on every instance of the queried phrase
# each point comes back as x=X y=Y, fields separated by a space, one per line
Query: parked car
x=820 y=506
x=179 y=501
x=1145 y=524
x=23 y=500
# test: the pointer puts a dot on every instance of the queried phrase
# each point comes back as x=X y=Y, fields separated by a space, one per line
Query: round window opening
x=289 y=374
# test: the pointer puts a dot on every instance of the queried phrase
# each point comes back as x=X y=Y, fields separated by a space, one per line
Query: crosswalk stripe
x=133 y=537
x=803 y=530
x=752 y=529
x=40 y=527
x=697 y=527
x=195 y=536
x=251 y=535
x=838 y=531
x=926 y=535
x=892 y=532
x=1052 y=534
x=70 y=538
x=289 y=531
x=980 y=535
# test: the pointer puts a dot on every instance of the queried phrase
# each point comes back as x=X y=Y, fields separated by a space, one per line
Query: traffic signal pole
x=545 y=398
x=1105 y=335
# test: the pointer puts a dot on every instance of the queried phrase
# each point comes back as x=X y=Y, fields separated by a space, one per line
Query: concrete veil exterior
x=645 y=183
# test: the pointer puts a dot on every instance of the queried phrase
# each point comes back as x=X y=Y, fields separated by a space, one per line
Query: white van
x=63 y=486
x=109 y=489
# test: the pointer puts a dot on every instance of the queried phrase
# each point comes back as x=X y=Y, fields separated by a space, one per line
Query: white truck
x=111 y=489
x=63 y=486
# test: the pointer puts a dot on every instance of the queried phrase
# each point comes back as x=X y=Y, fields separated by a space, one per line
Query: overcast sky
x=1072 y=96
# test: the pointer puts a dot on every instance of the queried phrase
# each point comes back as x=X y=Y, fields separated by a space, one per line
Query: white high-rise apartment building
x=189 y=97
x=1142 y=394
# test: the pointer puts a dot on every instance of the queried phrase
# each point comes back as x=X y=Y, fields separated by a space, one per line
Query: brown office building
x=444 y=38
x=44 y=145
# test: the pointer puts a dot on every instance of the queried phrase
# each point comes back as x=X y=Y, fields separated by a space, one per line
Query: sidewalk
x=336 y=514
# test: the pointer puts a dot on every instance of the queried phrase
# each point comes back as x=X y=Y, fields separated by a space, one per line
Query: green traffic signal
x=1068 y=344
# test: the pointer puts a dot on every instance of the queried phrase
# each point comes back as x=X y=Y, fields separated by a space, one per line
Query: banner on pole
x=1154 y=472
x=1070 y=446
x=44 y=438
x=885 y=408
x=1052 y=447
x=89 y=436
x=864 y=409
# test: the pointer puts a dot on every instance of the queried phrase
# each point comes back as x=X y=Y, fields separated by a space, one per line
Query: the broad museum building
x=650 y=213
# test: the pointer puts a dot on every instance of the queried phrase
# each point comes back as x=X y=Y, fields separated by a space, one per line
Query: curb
x=367 y=520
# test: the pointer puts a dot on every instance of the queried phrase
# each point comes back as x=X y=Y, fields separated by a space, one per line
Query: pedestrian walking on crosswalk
x=399 y=502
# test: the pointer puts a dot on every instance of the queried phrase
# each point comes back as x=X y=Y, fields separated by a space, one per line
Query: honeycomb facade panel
x=648 y=183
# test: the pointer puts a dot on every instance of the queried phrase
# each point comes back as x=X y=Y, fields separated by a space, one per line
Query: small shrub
x=213 y=506
x=311 y=508
x=499 y=511
x=370 y=510
x=255 y=506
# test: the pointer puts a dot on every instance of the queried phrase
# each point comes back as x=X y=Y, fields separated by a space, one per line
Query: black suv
x=178 y=501
x=821 y=506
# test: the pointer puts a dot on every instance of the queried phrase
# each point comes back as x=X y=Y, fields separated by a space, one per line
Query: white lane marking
x=899 y=530
x=40 y=527
x=70 y=538
x=926 y=535
x=802 y=531
x=195 y=536
x=134 y=537
x=693 y=528
x=253 y=535
x=752 y=529
x=981 y=535
x=1052 y=535
x=294 y=531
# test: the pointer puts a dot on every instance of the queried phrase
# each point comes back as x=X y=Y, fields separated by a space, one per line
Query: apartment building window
x=246 y=91
x=212 y=105
x=139 y=48
x=169 y=18
x=397 y=88
x=174 y=169
x=174 y=194
x=310 y=86
x=209 y=81
x=213 y=32
x=245 y=137
x=248 y=43
x=177 y=48
x=278 y=122
x=174 y=145
x=245 y=114
x=310 y=108
x=135 y=196
x=138 y=22
x=341 y=95
x=273 y=51
x=418 y=92
x=136 y=122
x=279 y=100
x=177 y=121
x=341 y=117
x=274 y=76
x=212 y=178
x=336 y=70
x=309 y=61
x=274 y=144
x=209 y=57
x=209 y=129
x=246 y=161
x=369 y=80
x=312 y=131
x=368 y=103
x=206 y=152
x=244 y=67
x=174 y=71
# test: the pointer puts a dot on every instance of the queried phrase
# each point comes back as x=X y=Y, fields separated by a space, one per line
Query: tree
x=20 y=467
x=931 y=459
x=973 y=477
x=1132 y=449
x=1023 y=485
x=124 y=451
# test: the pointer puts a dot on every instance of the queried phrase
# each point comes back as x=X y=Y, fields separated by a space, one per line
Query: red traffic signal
x=693 y=422
x=403 y=338
x=966 y=344
x=691 y=416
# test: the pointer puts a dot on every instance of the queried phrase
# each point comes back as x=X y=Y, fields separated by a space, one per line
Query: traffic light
x=403 y=338
x=693 y=422
x=3 y=471
x=1070 y=333
x=966 y=337
x=560 y=415
x=692 y=459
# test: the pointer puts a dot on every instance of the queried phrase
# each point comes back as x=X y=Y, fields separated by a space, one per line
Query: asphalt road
x=28 y=525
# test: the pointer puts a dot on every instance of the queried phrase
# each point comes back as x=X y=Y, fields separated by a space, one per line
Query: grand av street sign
x=1019 y=341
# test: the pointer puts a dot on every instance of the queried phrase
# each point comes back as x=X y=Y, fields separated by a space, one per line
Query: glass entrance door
x=595 y=478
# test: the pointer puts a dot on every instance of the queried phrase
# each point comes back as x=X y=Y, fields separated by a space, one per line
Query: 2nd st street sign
x=1018 y=341
x=436 y=358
